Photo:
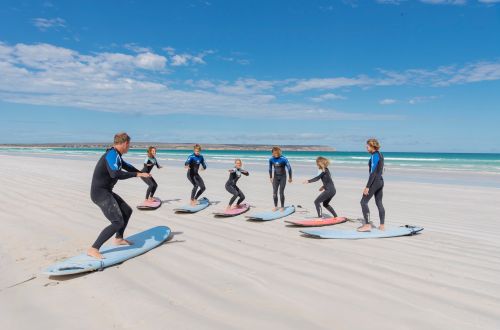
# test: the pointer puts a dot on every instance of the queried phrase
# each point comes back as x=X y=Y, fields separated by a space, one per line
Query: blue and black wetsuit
x=106 y=173
x=152 y=185
x=193 y=176
x=232 y=188
x=375 y=185
x=326 y=196
x=280 y=165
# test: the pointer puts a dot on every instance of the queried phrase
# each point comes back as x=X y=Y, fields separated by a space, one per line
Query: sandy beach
x=236 y=274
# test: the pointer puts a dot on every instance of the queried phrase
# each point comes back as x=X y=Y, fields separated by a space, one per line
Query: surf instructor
x=108 y=171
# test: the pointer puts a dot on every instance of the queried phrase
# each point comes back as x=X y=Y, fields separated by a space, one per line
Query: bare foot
x=275 y=209
x=381 y=227
x=122 y=241
x=194 y=202
x=151 y=199
x=282 y=209
x=365 y=228
x=94 y=253
x=228 y=207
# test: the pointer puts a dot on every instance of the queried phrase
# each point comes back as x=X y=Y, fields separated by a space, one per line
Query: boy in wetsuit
x=106 y=174
x=280 y=165
x=192 y=164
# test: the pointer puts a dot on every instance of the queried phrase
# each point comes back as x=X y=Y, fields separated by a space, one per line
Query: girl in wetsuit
x=374 y=186
x=280 y=165
x=149 y=163
x=328 y=188
x=192 y=164
x=231 y=187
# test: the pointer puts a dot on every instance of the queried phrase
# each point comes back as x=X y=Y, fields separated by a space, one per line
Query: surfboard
x=406 y=230
x=203 y=204
x=233 y=212
x=153 y=205
x=272 y=215
x=318 y=222
x=143 y=242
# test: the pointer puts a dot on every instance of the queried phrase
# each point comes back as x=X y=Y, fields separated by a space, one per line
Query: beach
x=235 y=274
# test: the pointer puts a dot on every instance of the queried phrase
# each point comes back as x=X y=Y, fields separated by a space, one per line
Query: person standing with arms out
x=374 y=186
x=280 y=165
x=148 y=166
x=328 y=188
x=192 y=164
x=108 y=171
x=231 y=187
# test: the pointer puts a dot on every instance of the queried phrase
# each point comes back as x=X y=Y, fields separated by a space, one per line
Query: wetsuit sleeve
x=188 y=160
x=270 y=168
x=322 y=174
x=289 y=167
x=373 y=169
x=244 y=172
x=203 y=163
x=129 y=167
x=112 y=161
x=156 y=162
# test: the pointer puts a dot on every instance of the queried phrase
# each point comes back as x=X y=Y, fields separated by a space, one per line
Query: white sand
x=235 y=274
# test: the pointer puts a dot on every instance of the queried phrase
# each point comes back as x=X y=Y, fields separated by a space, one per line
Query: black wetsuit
x=375 y=185
x=152 y=185
x=194 y=163
x=232 y=188
x=106 y=173
x=280 y=165
x=326 y=196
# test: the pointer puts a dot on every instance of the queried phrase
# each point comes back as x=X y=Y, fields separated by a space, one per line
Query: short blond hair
x=197 y=147
x=150 y=151
x=373 y=143
x=121 y=137
x=323 y=162
x=276 y=148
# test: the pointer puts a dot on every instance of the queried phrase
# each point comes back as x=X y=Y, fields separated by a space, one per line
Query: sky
x=420 y=75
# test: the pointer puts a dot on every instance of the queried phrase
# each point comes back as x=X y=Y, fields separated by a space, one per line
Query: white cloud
x=184 y=59
x=445 y=2
x=326 y=83
x=421 y=99
x=327 y=97
x=43 y=74
x=44 y=24
x=489 y=1
x=387 y=101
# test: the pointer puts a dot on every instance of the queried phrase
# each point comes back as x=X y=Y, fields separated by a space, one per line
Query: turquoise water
x=483 y=163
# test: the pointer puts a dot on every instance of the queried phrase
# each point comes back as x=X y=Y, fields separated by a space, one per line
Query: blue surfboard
x=143 y=242
x=354 y=234
x=272 y=215
x=203 y=204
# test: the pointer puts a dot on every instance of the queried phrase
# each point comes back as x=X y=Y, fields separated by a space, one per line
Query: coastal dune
x=236 y=274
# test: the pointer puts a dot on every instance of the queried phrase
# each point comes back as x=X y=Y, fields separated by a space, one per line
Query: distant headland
x=175 y=146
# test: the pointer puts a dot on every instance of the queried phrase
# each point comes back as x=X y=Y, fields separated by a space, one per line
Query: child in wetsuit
x=234 y=175
x=328 y=188
x=149 y=162
x=280 y=165
x=192 y=164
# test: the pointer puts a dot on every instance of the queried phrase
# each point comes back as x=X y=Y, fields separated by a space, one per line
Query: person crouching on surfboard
x=192 y=164
x=232 y=188
x=280 y=165
x=328 y=188
x=149 y=162
x=106 y=173
x=374 y=186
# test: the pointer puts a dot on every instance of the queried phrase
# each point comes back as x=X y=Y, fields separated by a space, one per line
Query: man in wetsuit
x=280 y=165
x=192 y=164
x=108 y=171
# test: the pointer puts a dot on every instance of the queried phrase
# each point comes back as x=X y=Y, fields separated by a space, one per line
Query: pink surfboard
x=150 y=205
x=317 y=222
x=233 y=212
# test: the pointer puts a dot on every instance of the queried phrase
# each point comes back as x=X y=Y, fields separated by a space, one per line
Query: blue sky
x=419 y=75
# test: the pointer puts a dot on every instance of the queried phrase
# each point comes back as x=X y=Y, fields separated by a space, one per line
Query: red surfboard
x=317 y=222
